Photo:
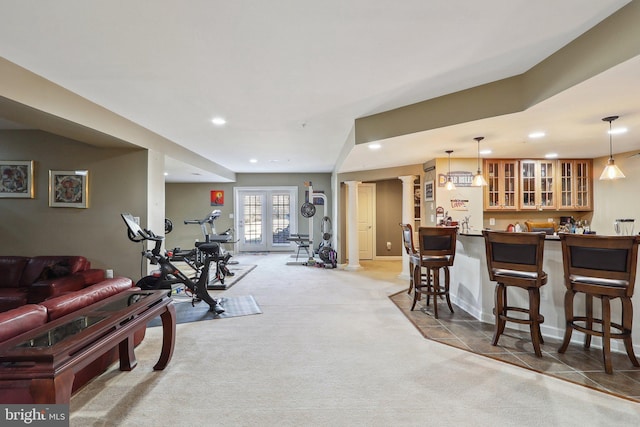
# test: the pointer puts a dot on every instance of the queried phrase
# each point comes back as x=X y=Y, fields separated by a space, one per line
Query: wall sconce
x=611 y=171
x=449 y=185
x=478 y=179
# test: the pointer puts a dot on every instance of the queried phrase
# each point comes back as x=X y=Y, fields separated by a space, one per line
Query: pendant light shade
x=449 y=185
x=611 y=171
x=478 y=179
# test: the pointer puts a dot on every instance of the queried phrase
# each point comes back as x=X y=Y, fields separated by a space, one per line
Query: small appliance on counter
x=624 y=226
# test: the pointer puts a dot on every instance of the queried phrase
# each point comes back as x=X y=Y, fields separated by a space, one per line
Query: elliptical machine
x=168 y=273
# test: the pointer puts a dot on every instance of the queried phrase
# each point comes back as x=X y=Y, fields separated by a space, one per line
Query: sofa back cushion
x=51 y=267
x=20 y=320
x=11 y=268
x=68 y=303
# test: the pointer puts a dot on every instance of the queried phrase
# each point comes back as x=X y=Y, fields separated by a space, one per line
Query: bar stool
x=437 y=251
x=603 y=267
x=410 y=249
x=515 y=260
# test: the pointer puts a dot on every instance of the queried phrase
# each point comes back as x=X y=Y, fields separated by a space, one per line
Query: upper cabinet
x=537 y=180
x=522 y=185
x=575 y=185
x=501 y=192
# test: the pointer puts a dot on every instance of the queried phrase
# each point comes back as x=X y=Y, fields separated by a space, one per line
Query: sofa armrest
x=65 y=304
x=45 y=289
x=20 y=320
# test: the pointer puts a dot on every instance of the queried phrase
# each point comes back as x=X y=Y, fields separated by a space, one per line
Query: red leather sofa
x=29 y=316
x=30 y=280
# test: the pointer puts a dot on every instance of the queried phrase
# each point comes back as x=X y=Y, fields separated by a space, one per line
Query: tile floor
x=576 y=365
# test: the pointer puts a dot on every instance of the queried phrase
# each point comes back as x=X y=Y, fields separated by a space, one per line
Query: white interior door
x=366 y=210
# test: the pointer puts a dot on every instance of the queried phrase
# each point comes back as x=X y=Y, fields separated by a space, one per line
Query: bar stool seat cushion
x=520 y=274
x=600 y=281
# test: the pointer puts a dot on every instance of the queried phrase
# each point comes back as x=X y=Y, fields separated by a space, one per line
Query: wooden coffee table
x=50 y=355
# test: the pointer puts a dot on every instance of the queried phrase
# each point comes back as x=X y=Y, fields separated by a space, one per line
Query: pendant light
x=611 y=171
x=449 y=185
x=478 y=179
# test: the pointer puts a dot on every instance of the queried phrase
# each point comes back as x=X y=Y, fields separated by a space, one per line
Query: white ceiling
x=291 y=76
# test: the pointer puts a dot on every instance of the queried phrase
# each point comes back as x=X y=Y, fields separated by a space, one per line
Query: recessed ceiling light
x=253 y=160
x=551 y=155
x=218 y=121
x=617 y=131
x=535 y=135
x=485 y=152
x=166 y=173
x=374 y=146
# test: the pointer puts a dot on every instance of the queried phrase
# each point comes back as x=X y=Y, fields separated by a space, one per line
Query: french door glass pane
x=252 y=219
x=280 y=215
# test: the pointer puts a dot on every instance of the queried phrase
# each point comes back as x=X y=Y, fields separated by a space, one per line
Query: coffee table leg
x=168 y=336
x=127 y=356
x=52 y=390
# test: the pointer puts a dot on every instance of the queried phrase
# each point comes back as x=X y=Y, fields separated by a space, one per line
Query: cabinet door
x=575 y=185
x=501 y=192
x=537 y=191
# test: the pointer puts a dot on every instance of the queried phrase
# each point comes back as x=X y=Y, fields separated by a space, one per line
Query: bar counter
x=472 y=290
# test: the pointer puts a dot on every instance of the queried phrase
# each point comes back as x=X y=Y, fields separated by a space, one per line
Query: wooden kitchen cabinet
x=575 y=185
x=501 y=192
x=537 y=185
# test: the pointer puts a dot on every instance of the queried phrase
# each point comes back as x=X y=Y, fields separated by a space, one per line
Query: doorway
x=263 y=218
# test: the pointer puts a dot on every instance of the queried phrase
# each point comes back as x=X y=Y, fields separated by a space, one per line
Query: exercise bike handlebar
x=137 y=233
x=210 y=218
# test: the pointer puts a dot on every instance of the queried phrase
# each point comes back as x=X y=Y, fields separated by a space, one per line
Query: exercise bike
x=194 y=258
x=169 y=274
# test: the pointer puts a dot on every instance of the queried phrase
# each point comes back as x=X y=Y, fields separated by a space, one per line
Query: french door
x=265 y=217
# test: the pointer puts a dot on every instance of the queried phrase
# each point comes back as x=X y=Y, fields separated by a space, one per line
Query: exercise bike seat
x=210 y=248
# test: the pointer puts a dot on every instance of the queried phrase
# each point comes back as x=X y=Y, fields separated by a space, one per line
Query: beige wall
x=616 y=199
x=388 y=216
x=192 y=201
x=117 y=183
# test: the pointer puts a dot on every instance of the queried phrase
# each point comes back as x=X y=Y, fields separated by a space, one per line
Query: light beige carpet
x=330 y=349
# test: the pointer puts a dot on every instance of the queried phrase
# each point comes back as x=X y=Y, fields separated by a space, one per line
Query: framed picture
x=428 y=191
x=69 y=189
x=217 y=198
x=16 y=179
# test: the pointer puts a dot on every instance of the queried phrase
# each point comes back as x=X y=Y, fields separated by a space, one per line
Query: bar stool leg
x=412 y=273
x=435 y=290
x=499 y=312
x=588 y=301
x=417 y=285
x=446 y=288
x=568 y=313
x=627 y=321
x=606 y=334
x=534 y=317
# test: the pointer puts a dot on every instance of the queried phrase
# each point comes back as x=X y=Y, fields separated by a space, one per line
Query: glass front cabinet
x=502 y=185
x=575 y=185
x=537 y=191
x=528 y=185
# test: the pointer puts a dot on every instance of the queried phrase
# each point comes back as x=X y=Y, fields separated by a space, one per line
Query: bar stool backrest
x=438 y=242
x=407 y=239
x=610 y=259
x=519 y=254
